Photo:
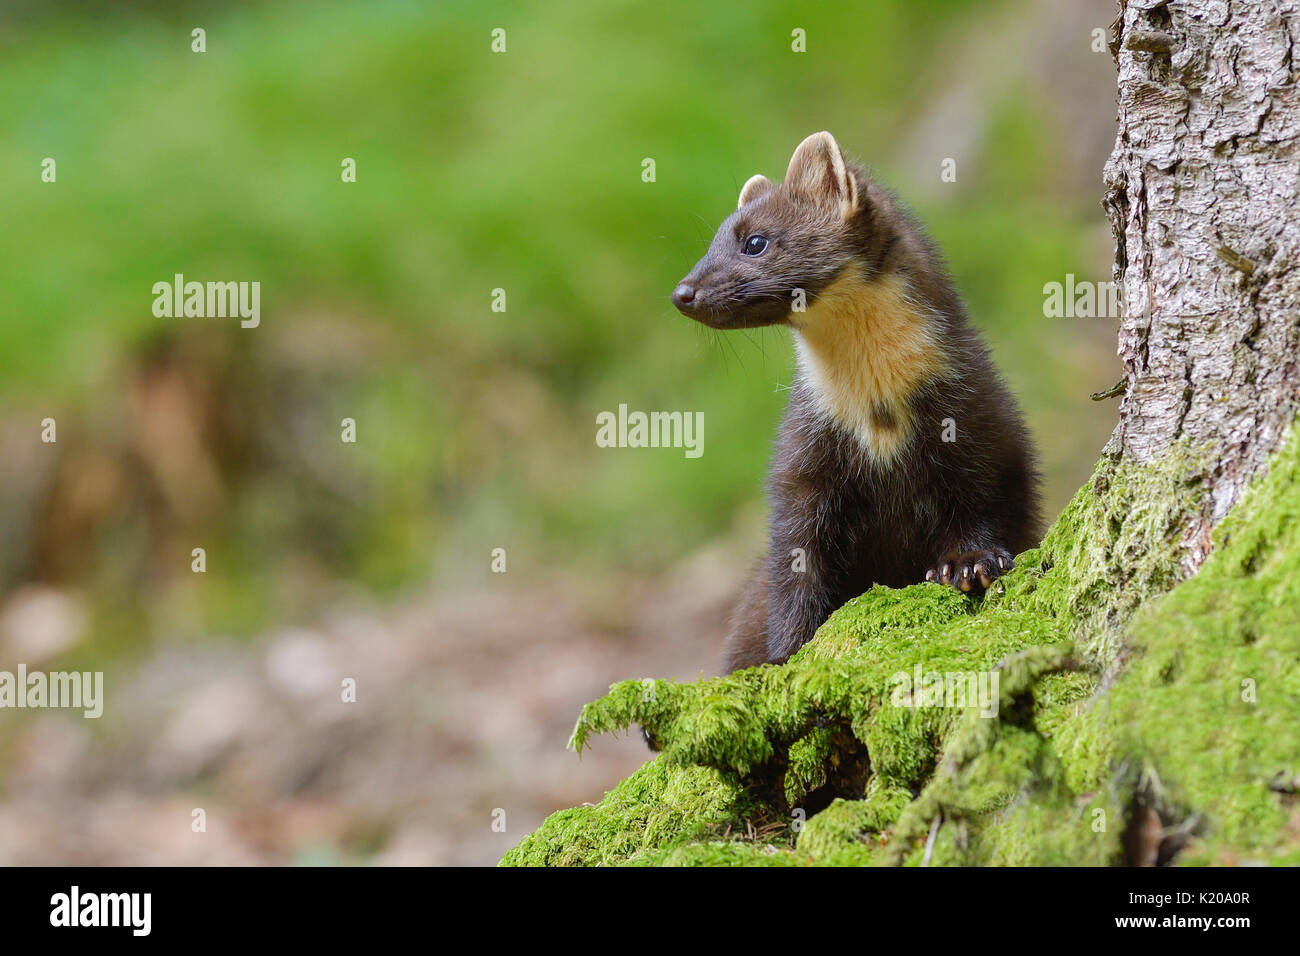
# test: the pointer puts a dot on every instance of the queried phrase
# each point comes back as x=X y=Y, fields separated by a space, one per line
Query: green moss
x=1208 y=709
x=1110 y=700
x=655 y=807
x=725 y=853
x=1111 y=550
x=847 y=832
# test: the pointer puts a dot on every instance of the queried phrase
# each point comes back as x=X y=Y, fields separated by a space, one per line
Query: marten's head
x=784 y=245
x=828 y=253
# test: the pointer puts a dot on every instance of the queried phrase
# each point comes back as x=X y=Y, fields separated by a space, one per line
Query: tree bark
x=1203 y=195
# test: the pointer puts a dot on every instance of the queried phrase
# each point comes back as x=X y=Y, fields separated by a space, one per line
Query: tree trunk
x=1203 y=194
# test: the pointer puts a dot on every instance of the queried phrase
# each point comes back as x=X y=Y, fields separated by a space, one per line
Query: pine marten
x=902 y=457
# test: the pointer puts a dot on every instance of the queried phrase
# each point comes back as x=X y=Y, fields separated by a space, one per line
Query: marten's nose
x=683 y=295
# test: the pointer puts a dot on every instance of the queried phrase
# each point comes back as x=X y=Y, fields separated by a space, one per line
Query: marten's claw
x=971 y=570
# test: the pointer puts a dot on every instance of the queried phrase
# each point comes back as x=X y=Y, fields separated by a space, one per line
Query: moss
x=1112 y=701
x=1208 y=709
x=1111 y=550
x=657 y=806
x=848 y=831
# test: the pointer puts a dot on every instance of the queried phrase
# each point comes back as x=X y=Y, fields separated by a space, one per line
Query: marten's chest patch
x=865 y=347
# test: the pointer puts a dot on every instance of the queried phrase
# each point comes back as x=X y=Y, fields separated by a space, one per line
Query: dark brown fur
x=949 y=511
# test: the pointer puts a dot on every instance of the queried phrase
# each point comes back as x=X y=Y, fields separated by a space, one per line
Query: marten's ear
x=755 y=186
x=818 y=172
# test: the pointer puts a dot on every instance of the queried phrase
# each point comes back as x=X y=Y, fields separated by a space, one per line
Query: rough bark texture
x=1203 y=194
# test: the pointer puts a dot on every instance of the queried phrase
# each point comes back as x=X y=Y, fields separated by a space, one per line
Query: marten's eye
x=755 y=245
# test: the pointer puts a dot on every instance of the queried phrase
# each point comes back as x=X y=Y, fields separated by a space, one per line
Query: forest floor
x=464 y=704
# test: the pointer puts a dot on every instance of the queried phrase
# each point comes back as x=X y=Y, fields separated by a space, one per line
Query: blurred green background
x=475 y=171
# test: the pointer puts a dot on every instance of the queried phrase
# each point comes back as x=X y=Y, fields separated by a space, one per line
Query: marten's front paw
x=970 y=570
